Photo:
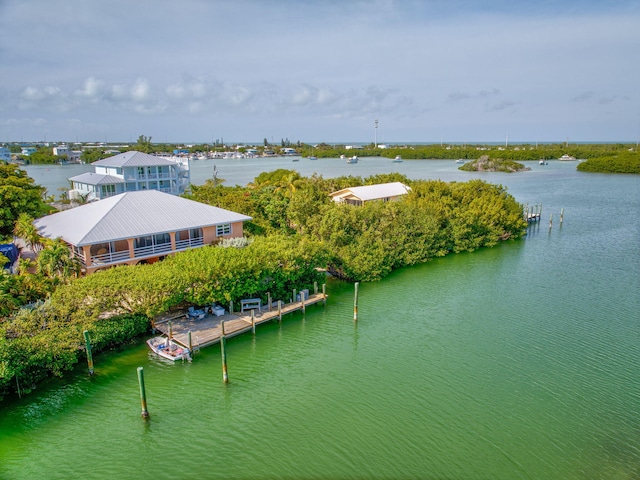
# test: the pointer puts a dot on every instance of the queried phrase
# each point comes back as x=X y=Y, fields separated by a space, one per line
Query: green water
x=520 y=361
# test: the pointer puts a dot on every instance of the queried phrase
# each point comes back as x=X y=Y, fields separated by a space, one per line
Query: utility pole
x=375 y=136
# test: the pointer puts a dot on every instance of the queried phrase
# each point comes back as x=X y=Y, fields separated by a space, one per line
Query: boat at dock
x=168 y=349
x=566 y=158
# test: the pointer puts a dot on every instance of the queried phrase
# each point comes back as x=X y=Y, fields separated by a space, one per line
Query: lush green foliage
x=38 y=343
x=625 y=162
x=368 y=242
x=19 y=194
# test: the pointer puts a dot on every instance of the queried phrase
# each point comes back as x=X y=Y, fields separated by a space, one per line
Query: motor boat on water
x=398 y=159
x=353 y=159
x=169 y=349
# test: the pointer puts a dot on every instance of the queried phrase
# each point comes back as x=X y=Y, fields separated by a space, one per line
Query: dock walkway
x=207 y=331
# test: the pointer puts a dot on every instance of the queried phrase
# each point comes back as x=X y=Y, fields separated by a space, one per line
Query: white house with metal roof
x=130 y=172
x=139 y=227
x=358 y=195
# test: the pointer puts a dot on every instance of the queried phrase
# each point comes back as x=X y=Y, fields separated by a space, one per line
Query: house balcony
x=141 y=253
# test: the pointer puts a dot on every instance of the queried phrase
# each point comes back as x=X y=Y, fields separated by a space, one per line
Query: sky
x=241 y=71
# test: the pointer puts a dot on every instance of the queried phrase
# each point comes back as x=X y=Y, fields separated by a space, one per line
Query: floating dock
x=195 y=333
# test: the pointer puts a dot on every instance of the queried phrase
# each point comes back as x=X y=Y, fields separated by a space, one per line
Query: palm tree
x=25 y=229
x=55 y=260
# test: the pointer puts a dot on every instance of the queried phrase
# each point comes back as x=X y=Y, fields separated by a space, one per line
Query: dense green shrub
x=626 y=162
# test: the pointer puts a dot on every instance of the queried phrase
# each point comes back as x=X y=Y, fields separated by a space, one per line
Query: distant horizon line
x=261 y=143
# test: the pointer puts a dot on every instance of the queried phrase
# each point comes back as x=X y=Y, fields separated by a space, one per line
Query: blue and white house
x=129 y=172
x=5 y=154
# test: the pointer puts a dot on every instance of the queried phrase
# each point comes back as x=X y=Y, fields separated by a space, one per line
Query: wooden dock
x=532 y=214
x=207 y=331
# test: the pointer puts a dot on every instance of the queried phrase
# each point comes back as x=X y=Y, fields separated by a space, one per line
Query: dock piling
x=355 y=302
x=280 y=310
x=253 y=322
x=225 y=375
x=87 y=341
x=561 y=215
x=269 y=300
x=324 y=294
x=550 y=221
x=190 y=342
x=143 y=393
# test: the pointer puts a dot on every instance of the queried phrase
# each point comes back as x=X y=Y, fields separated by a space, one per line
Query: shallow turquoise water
x=519 y=361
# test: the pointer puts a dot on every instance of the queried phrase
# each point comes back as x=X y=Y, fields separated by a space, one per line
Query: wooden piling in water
x=279 y=310
x=302 y=301
x=355 y=302
x=87 y=342
x=550 y=221
x=170 y=330
x=315 y=288
x=190 y=342
x=231 y=306
x=223 y=353
x=561 y=215
x=269 y=300
x=253 y=322
x=295 y=293
x=324 y=294
x=143 y=393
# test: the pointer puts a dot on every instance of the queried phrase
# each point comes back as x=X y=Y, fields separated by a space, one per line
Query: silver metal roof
x=373 y=192
x=131 y=215
x=133 y=159
x=91 y=178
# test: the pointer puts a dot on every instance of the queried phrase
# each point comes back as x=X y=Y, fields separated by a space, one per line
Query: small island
x=485 y=164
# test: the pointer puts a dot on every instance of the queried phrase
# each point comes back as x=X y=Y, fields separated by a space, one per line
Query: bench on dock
x=250 y=304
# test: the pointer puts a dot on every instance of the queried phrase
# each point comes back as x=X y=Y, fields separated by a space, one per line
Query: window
x=144 y=242
x=223 y=229
x=108 y=190
x=162 y=238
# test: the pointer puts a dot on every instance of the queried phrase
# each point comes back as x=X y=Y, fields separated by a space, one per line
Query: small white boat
x=168 y=349
x=460 y=160
x=342 y=157
x=313 y=158
x=543 y=162
x=353 y=159
x=566 y=158
x=398 y=159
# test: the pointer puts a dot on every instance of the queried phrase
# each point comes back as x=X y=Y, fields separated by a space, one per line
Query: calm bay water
x=520 y=361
